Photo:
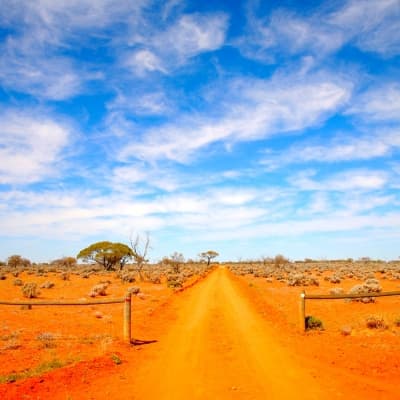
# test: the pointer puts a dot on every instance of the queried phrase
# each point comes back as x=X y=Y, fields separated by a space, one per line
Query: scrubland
x=57 y=349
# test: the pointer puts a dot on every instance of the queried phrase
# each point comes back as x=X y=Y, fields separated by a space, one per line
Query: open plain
x=231 y=333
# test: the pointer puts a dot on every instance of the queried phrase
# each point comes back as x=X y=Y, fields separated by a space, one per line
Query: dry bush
x=346 y=330
x=127 y=277
x=313 y=323
x=336 y=291
x=175 y=281
x=47 y=340
x=30 y=290
x=376 y=322
x=18 y=282
x=301 y=280
x=134 y=290
x=369 y=286
x=47 y=285
x=99 y=290
x=64 y=276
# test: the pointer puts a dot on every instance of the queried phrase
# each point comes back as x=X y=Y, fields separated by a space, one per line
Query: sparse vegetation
x=313 y=323
x=117 y=360
x=376 y=322
x=30 y=290
x=99 y=290
x=39 y=370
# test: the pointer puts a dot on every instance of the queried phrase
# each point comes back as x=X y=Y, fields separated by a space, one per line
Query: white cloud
x=194 y=34
x=33 y=56
x=143 y=61
x=343 y=181
x=295 y=228
x=27 y=71
x=293 y=34
x=371 y=25
x=54 y=21
x=251 y=110
x=340 y=148
x=147 y=103
x=378 y=104
x=163 y=49
x=30 y=146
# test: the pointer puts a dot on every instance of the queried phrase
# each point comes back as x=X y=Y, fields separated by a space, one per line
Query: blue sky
x=251 y=128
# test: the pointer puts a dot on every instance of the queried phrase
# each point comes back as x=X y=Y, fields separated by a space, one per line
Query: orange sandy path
x=213 y=342
x=220 y=348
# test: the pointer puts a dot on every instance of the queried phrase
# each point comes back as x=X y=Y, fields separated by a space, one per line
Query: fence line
x=127 y=301
x=304 y=297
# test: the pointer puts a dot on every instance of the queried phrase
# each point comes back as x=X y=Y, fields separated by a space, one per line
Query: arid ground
x=224 y=336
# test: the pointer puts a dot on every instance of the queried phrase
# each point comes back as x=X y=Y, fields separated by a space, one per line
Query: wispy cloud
x=378 y=104
x=348 y=180
x=252 y=109
x=343 y=147
x=369 y=25
x=30 y=146
x=169 y=46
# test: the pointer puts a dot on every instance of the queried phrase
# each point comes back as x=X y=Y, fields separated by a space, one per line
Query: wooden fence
x=304 y=297
x=126 y=301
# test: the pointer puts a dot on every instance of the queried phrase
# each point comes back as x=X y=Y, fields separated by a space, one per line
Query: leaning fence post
x=303 y=311
x=127 y=317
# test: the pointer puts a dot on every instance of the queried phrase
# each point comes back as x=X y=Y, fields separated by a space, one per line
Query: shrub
x=174 y=281
x=336 y=291
x=47 y=339
x=47 y=285
x=18 y=282
x=397 y=322
x=345 y=330
x=64 y=276
x=134 y=290
x=376 y=322
x=297 y=279
x=369 y=286
x=30 y=290
x=334 y=279
x=313 y=323
x=127 y=277
x=117 y=360
x=99 y=290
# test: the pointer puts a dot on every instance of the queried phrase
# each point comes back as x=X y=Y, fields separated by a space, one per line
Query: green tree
x=208 y=255
x=107 y=254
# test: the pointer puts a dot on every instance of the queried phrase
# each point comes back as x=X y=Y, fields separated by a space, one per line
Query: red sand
x=226 y=337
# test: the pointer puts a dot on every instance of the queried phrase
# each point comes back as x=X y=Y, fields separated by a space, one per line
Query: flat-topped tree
x=208 y=255
x=107 y=254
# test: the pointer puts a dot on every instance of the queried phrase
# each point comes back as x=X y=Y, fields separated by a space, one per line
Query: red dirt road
x=219 y=340
x=220 y=348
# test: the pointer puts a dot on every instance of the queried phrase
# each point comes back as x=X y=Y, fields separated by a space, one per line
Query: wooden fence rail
x=127 y=301
x=304 y=297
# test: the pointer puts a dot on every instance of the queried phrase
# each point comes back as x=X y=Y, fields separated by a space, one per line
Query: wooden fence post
x=302 y=314
x=127 y=317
